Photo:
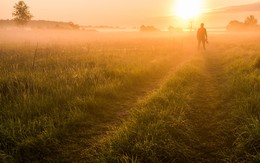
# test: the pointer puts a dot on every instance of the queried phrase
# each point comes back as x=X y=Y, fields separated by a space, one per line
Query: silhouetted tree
x=21 y=13
x=173 y=29
x=235 y=25
x=251 y=20
x=250 y=24
x=74 y=26
x=148 y=29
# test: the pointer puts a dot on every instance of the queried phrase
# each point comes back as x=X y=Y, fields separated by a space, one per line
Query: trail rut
x=84 y=137
x=209 y=115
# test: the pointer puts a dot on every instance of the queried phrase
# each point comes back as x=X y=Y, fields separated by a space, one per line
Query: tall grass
x=180 y=123
x=158 y=130
x=64 y=93
x=44 y=93
x=244 y=100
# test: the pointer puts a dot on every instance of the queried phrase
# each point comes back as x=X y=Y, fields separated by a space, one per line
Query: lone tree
x=251 y=20
x=21 y=13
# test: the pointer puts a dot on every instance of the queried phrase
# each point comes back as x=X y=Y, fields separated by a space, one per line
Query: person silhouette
x=202 y=36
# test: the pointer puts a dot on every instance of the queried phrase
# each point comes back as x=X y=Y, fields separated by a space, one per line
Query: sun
x=188 y=9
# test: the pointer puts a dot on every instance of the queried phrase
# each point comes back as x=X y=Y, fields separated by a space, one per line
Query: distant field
x=128 y=97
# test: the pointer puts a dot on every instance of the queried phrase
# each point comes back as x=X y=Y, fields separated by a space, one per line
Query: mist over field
x=69 y=95
x=130 y=81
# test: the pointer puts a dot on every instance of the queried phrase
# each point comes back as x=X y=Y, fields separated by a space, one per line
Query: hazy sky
x=105 y=12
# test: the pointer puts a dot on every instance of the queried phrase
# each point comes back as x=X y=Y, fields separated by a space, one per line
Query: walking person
x=202 y=36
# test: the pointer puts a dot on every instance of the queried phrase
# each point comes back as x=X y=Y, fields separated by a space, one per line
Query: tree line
x=22 y=16
x=250 y=24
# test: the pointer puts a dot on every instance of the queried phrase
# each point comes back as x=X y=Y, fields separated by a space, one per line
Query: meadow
x=128 y=97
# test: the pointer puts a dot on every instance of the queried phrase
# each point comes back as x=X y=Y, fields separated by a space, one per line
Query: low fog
x=62 y=37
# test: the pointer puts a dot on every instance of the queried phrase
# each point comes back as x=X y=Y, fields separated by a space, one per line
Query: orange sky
x=121 y=12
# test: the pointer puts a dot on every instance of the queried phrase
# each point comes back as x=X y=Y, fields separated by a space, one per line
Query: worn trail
x=75 y=145
x=209 y=115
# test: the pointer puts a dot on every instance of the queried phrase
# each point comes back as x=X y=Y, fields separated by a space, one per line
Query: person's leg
x=203 y=43
x=199 y=41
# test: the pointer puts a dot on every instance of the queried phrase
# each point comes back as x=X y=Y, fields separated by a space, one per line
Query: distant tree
x=235 y=25
x=250 y=24
x=148 y=29
x=21 y=13
x=73 y=26
x=173 y=29
x=251 y=20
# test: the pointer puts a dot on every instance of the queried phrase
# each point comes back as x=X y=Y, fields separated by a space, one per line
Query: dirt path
x=84 y=137
x=209 y=116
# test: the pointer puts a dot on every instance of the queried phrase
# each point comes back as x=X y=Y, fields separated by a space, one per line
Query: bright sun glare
x=188 y=9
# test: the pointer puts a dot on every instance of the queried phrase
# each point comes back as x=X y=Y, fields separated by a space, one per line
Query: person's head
x=202 y=25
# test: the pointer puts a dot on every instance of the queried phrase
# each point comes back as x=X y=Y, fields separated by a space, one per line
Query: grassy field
x=129 y=98
x=54 y=94
x=206 y=112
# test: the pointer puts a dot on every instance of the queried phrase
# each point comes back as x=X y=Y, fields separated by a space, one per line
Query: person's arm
x=206 y=35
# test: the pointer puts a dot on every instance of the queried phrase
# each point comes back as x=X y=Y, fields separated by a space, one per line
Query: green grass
x=57 y=101
x=244 y=100
x=45 y=99
x=207 y=112
x=158 y=130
